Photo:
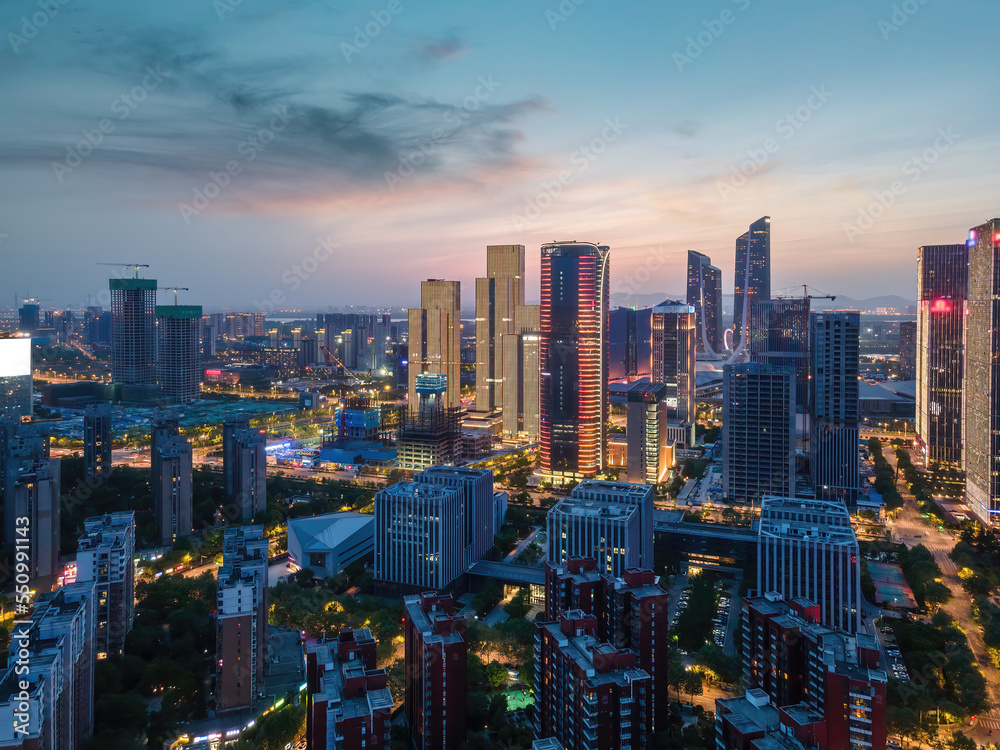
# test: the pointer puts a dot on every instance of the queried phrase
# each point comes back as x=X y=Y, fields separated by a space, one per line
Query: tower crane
x=136 y=266
x=174 y=289
x=806 y=295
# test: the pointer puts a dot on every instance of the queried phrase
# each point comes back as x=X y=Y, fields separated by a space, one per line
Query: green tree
x=693 y=684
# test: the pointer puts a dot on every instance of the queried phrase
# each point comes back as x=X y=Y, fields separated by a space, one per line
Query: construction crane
x=331 y=360
x=805 y=295
x=174 y=289
x=136 y=266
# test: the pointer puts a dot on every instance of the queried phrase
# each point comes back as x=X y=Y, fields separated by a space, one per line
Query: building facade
x=673 y=356
x=752 y=282
x=16 y=387
x=758 y=432
x=435 y=337
x=133 y=331
x=241 y=622
x=650 y=453
x=704 y=294
x=779 y=336
x=807 y=549
x=434 y=662
x=348 y=703
x=574 y=359
x=498 y=295
x=834 y=458
x=171 y=462
x=97 y=443
x=942 y=307
x=629 y=341
x=908 y=350
x=178 y=353
x=105 y=557
x=521 y=374
x=244 y=468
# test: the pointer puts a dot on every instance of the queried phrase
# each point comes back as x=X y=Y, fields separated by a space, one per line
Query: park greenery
x=694 y=625
x=943 y=675
x=885 y=476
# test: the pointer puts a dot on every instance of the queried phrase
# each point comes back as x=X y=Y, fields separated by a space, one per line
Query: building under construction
x=431 y=433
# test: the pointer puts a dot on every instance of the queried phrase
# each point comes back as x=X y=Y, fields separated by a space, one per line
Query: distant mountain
x=639 y=301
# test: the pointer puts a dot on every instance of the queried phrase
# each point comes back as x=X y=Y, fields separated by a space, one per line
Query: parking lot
x=894 y=663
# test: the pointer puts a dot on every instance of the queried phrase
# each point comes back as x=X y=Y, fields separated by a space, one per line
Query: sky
x=301 y=154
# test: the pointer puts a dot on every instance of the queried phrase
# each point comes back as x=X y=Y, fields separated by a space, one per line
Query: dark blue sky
x=336 y=153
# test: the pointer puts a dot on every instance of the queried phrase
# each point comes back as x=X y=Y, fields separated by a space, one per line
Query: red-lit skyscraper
x=574 y=358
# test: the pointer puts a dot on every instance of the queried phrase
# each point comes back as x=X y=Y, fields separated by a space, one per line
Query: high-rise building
x=704 y=294
x=431 y=530
x=97 y=443
x=807 y=549
x=348 y=705
x=574 y=359
x=779 y=335
x=498 y=296
x=908 y=350
x=752 y=282
x=673 y=356
x=631 y=613
x=609 y=521
x=171 y=464
x=826 y=684
x=629 y=339
x=758 y=432
x=942 y=305
x=15 y=378
x=588 y=693
x=242 y=618
x=981 y=384
x=47 y=690
x=31 y=487
x=650 y=453
x=105 y=557
x=430 y=434
x=29 y=317
x=133 y=331
x=435 y=337
x=835 y=409
x=244 y=468
x=521 y=374
x=434 y=665
x=178 y=354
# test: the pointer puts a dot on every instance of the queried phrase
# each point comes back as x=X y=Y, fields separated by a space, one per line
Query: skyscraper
x=178 y=354
x=29 y=317
x=105 y=556
x=244 y=468
x=629 y=342
x=779 y=335
x=807 y=549
x=649 y=449
x=758 y=432
x=752 y=282
x=521 y=373
x=171 y=478
x=15 y=378
x=981 y=383
x=498 y=296
x=704 y=294
x=908 y=350
x=97 y=443
x=434 y=663
x=835 y=410
x=241 y=623
x=574 y=359
x=435 y=337
x=673 y=356
x=133 y=331
x=942 y=294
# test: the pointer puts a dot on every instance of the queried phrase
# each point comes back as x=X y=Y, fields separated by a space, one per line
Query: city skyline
x=653 y=165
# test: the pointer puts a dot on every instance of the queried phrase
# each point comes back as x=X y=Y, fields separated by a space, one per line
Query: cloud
x=435 y=50
x=687 y=128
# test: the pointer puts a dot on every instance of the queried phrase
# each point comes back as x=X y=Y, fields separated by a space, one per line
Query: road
x=911 y=529
x=522 y=545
